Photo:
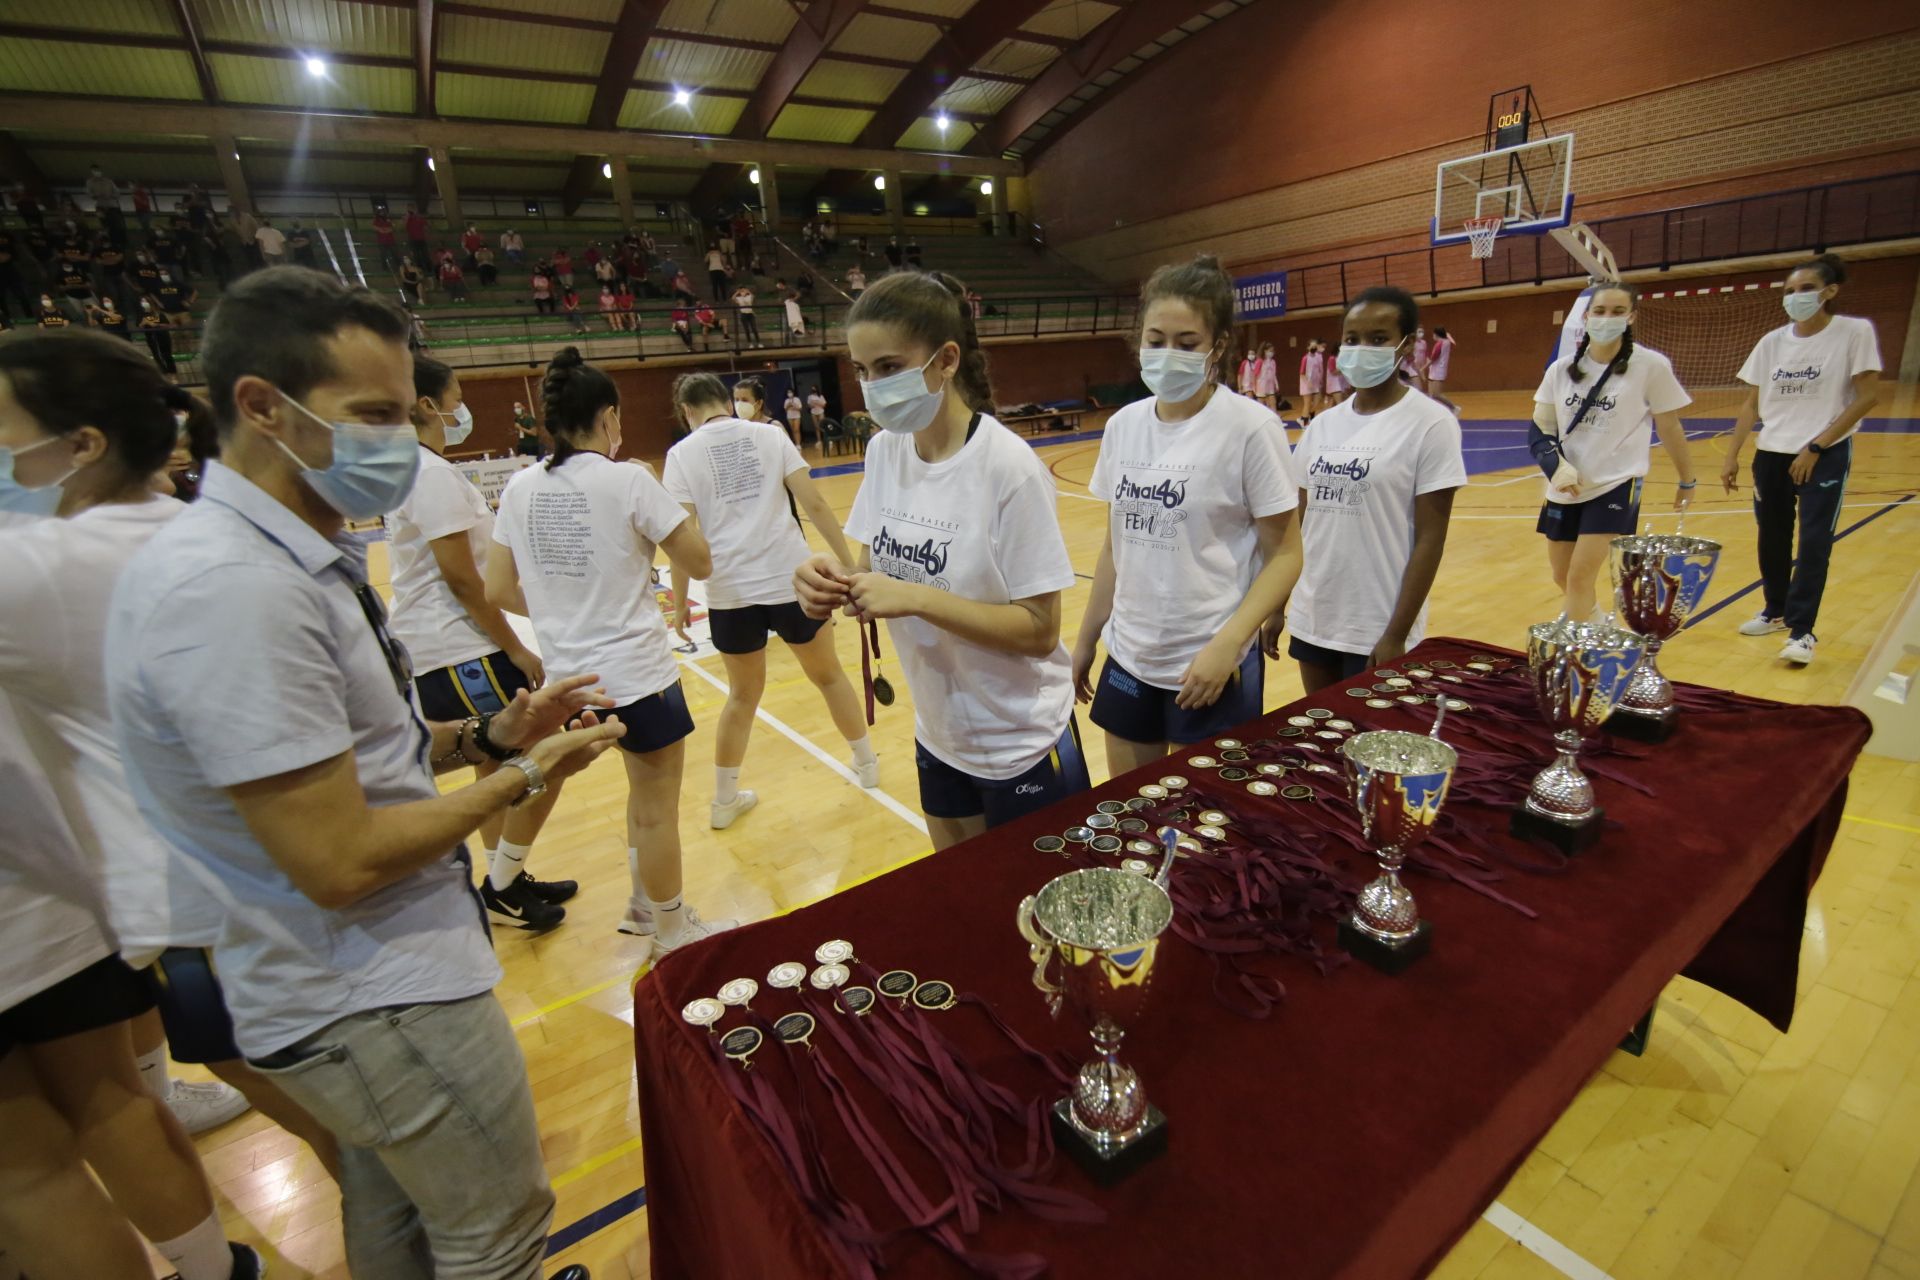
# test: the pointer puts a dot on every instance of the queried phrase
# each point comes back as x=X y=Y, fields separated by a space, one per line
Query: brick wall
x=1273 y=137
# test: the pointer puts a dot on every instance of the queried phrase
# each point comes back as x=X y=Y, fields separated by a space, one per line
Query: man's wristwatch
x=536 y=780
x=1816 y=448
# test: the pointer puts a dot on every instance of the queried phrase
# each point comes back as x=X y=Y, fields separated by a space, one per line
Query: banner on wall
x=1260 y=297
x=492 y=474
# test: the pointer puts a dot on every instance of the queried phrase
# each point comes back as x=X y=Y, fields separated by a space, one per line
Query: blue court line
x=1757 y=583
x=599 y=1220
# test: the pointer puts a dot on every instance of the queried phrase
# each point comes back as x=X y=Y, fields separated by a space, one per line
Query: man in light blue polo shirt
x=266 y=719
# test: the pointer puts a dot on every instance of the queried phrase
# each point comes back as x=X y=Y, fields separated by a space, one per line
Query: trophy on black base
x=1658 y=581
x=1398 y=781
x=1102 y=928
x=1579 y=670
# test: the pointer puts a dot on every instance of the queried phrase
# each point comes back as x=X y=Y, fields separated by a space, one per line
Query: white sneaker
x=639 y=919
x=723 y=814
x=693 y=930
x=1761 y=625
x=869 y=773
x=1799 y=651
x=200 y=1107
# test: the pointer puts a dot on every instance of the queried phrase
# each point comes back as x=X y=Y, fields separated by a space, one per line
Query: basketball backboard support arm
x=1584 y=245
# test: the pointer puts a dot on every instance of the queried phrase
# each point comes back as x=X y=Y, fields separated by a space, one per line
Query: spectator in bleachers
x=717 y=274
x=452 y=279
x=51 y=316
x=709 y=322
x=894 y=256
x=13 y=276
x=105 y=315
x=198 y=207
x=246 y=225
x=411 y=279
x=728 y=247
x=913 y=252
x=75 y=284
x=563 y=268
x=629 y=318
x=604 y=272
x=609 y=309
x=417 y=237
x=796 y=319
x=300 y=244
x=682 y=287
x=28 y=206
x=542 y=282
x=109 y=265
x=513 y=246
x=165 y=244
x=860 y=250
x=830 y=232
x=570 y=308
x=681 y=322
x=159 y=335
x=229 y=252
x=483 y=263
x=106 y=203
x=384 y=236
x=176 y=297
x=143 y=206
x=743 y=311
x=856 y=280
x=272 y=242
x=143 y=277
x=471 y=240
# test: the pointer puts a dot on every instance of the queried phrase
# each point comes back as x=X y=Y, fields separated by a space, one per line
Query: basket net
x=1482 y=232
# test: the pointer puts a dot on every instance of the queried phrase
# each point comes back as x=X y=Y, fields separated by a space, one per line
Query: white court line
x=805 y=743
x=1541 y=1245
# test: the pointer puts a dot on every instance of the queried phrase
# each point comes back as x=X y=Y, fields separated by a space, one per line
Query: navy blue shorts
x=1615 y=511
x=1347 y=664
x=946 y=792
x=469 y=688
x=744 y=630
x=193 y=1008
x=102 y=994
x=1128 y=707
x=655 y=721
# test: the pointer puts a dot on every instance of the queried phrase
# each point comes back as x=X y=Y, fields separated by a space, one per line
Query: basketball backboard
x=1530 y=184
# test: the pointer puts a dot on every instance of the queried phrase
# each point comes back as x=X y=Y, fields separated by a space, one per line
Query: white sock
x=633 y=874
x=862 y=748
x=505 y=864
x=153 y=1072
x=201 y=1254
x=668 y=921
x=726 y=785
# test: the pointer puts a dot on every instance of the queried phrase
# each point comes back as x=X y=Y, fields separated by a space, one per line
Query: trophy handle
x=1039 y=949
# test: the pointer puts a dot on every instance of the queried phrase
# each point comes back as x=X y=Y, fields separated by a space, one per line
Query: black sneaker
x=519 y=906
x=248 y=1265
x=550 y=890
x=574 y=1272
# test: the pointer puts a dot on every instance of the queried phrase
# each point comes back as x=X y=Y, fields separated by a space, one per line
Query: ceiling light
x=682 y=97
x=429 y=164
x=986 y=186
x=941 y=121
x=879 y=182
x=316 y=67
x=606 y=169
x=753 y=175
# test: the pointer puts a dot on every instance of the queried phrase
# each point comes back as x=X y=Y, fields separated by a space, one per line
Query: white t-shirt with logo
x=734 y=473
x=427 y=617
x=582 y=537
x=1362 y=473
x=1183 y=498
x=1805 y=383
x=981 y=525
x=1613 y=441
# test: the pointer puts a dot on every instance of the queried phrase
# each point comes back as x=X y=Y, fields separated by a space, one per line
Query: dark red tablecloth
x=1361 y=1128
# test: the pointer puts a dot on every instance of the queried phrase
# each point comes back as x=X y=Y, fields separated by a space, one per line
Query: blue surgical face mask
x=373 y=467
x=18 y=498
x=901 y=401
x=461 y=427
x=1174 y=375
x=1803 y=306
x=1367 y=366
x=1604 y=329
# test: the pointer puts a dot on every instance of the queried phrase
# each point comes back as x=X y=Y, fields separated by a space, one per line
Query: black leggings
x=1793 y=586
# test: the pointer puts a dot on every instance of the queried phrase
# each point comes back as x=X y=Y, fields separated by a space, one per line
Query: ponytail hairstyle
x=1203 y=285
x=1831 y=270
x=67 y=379
x=754 y=388
x=696 y=390
x=1574 y=372
x=572 y=394
x=430 y=379
x=930 y=307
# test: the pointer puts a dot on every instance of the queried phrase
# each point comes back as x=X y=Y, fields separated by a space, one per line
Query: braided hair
x=572 y=394
x=1574 y=372
x=930 y=307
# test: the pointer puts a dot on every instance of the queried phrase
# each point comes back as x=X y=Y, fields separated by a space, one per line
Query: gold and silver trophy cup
x=1099 y=930
x=1397 y=781
x=1579 y=670
x=1659 y=579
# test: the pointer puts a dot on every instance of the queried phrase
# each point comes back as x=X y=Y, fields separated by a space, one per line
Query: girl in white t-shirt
x=573 y=551
x=1595 y=469
x=1200 y=493
x=739 y=478
x=1813 y=381
x=962 y=555
x=467 y=659
x=1379 y=471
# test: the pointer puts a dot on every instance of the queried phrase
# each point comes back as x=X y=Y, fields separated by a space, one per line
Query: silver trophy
x=1397 y=781
x=1579 y=671
x=1658 y=581
x=1100 y=930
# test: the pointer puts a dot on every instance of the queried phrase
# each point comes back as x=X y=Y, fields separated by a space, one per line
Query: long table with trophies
x=1335 y=1076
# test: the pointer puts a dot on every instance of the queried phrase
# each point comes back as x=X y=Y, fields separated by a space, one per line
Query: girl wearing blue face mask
x=1202 y=543
x=467 y=659
x=1379 y=472
x=962 y=555
x=1812 y=381
x=1593 y=422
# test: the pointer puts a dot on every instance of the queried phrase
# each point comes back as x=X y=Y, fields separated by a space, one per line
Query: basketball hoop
x=1482 y=232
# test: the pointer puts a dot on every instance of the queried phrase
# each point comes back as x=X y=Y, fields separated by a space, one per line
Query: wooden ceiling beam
x=425 y=32
x=190 y=36
x=632 y=30
x=814 y=32
x=968 y=40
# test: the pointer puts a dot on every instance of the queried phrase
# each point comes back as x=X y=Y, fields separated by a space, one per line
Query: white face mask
x=743 y=409
x=1173 y=375
x=901 y=401
x=1803 y=306
x=461 y=427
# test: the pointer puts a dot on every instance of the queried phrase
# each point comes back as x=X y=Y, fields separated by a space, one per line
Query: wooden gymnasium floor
x=1728 y=1151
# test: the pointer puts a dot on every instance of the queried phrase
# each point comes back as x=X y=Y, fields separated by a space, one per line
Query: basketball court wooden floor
x=1727 y=1151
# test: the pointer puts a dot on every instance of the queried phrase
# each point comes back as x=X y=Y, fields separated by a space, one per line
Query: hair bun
x=1207 y=261
x=177 y=398
x=566 y=358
